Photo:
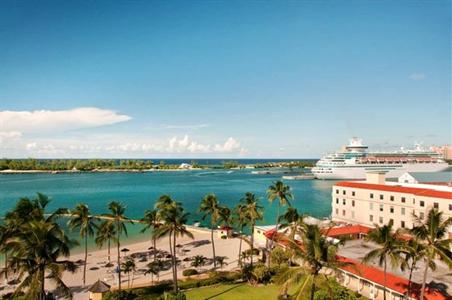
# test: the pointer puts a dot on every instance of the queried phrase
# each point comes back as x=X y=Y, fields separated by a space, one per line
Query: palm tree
x=174 y=219
x=240 y=219
x=105 y=234
x=318 y=253
x=210 y=207
x=36 y=247
x=151 y=222
x=291 y=219
x=390 y=248
x=84 y=221
x=221 y=261
x=432 y=233
x=281 y=192
x=198 y=261
x=128 y=267
x=413 y=251
x=154 y=268
x=118 y=218
x=253 y=212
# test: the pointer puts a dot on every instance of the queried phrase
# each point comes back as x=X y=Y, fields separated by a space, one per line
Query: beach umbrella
x=125 y=250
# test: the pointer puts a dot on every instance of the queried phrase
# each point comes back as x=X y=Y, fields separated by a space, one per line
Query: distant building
x=377 y=201
x=445 y=151
x=185 y=166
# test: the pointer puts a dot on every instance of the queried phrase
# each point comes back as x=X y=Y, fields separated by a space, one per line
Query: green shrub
x=262 y=274
x=338 y=292
x=173 y=296
x=224 y=237
x=190 y=272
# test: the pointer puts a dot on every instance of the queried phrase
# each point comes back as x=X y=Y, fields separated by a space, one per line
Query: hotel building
x=377 y=201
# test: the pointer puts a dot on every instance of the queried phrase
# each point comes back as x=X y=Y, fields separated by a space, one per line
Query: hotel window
x=353 y=193
x=353 y=203
x=421 y=203
x=391 y=209
x=402 y=224
x=371 y=196
x=380 y=220
x=421 y=215
x=402 y=211
x=381 y=207
x=414 y=201
x=337 y=191
x=337 y=200
x=391 y=198
x=450 y=206
x=343 y=212
x=381 y=197
x=403 y=199
x=343 y=192
x=371 y=206
x=435 y=205
x=353 y=214
x=343 y=201
x=371 y=218
x=391 y=220
x=337 y=211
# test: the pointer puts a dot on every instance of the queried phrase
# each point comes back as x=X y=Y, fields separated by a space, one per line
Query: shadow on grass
x=224 y=292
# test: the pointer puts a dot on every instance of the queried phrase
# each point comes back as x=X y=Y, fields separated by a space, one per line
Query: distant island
x=31 y=165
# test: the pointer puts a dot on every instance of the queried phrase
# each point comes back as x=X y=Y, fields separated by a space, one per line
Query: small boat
x=300 y=177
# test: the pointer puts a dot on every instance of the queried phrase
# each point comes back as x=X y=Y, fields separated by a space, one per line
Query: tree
x=198 y=261
x=281 y=192
x=36 y=247
x=240 y=219
x=106 y=233
x=118 y=218
x=318 y=253
x=389 y=248
x=210 y=207
x=279 y=256
x=432 y=233
x=84 y=221
x=154 y=268
x=253 y=212
x=412 y=251
x=128 y=267
x=151 y=222
x=292 y=219
x=174 y=219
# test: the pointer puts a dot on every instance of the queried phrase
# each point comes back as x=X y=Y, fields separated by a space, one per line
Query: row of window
x=380 y=218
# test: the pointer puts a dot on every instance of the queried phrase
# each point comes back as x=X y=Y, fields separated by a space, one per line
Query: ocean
x=139 y=191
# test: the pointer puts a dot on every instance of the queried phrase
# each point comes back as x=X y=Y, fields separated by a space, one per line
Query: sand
x=97 y=260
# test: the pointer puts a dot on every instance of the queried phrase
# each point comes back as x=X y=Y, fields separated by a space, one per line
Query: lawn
x=240 y=291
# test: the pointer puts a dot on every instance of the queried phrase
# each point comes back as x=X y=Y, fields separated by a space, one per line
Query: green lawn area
x=234 y=291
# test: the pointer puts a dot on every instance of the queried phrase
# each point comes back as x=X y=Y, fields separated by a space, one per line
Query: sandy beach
x=97 y=260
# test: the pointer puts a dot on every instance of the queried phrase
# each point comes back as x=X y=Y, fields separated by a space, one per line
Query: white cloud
x=417 y=76
x=58 y=120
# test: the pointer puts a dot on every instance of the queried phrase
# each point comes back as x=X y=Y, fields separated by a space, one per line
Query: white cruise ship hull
x=359 y=171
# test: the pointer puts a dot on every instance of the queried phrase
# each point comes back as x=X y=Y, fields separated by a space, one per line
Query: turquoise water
x=139 y=191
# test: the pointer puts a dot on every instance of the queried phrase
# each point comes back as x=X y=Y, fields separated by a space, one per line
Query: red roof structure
x=393 y=282
x=397 y=189
x=347 y=230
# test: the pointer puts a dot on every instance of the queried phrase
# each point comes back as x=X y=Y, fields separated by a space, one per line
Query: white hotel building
x=377 y=201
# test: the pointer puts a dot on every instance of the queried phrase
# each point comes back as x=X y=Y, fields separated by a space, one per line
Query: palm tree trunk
x=128 y=279
x=6 y=266
x=173 y=267
x=413 y=265
x=240 y=247
x=86 y=258
x=155 y=248
x=175 y=264
x=313 y=288
x=133 y=277
x=384 y=288
x=252 y=244
x=424 y=278
x=213 y=247
x=275 y=234
x=42 y=275
x=119 y=261
x=109 y=260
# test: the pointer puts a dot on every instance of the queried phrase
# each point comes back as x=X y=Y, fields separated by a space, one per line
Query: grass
x=234 y=291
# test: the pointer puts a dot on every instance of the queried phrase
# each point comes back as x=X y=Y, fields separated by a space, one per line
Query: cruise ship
x=353 y=161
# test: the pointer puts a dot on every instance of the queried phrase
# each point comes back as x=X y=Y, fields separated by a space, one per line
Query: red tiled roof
x=393 y=282
x=347 y=230
x=397 y=189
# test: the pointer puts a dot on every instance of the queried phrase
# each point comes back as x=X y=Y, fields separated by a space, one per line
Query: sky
x=225 y=79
